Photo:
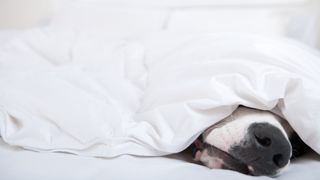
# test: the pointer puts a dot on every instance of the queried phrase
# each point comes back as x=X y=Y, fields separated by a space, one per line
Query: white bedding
x=17 y=164
x=151 y=96
x=84 y=86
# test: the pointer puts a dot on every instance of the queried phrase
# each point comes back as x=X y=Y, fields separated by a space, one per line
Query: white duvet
x=150 y=96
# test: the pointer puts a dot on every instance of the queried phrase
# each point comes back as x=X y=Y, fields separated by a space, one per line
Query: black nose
x=271 y=143
x=266 y=149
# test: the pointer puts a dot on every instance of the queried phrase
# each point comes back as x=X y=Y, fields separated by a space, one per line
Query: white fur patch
x=211 y=161
x=234 y=131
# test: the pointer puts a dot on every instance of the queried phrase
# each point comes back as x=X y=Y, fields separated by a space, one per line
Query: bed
x=21 y=164
x=56 y=77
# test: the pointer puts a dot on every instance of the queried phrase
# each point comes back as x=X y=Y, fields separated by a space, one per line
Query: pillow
x=116 y=21
x=130 y=17
x=299 y=22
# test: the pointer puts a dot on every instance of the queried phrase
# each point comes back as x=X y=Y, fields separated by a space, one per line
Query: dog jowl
x=249 y=141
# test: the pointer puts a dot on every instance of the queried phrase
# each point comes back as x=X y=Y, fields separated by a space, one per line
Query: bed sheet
x=17 y=164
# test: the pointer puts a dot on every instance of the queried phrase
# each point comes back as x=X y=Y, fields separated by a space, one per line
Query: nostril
x=264 y=141
x=278 y=160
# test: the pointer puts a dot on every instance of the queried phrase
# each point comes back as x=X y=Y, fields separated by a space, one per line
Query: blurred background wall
x=27 y=13
x=24 y=13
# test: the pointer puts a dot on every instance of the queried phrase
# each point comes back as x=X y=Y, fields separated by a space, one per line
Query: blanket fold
x=148 y=96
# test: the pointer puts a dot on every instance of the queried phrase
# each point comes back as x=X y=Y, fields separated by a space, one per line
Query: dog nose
x=266 y=149
x=270 y=146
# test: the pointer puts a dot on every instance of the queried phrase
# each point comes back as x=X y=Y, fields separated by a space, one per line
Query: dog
x=250 y=141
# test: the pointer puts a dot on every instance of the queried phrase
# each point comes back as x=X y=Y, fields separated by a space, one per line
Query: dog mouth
x=228 y=161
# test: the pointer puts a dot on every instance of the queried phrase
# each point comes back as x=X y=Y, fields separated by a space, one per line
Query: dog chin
x=215 y=158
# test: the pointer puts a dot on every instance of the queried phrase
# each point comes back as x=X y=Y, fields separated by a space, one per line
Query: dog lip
x=231 y=162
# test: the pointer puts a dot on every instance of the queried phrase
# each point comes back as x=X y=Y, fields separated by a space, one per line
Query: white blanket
x=150 y=96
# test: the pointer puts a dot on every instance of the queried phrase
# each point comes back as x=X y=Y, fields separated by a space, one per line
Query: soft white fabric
x=17 y=164
x=150 y=96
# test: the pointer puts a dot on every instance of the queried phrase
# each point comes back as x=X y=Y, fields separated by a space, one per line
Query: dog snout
x=276 y=148
x=266 y=150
